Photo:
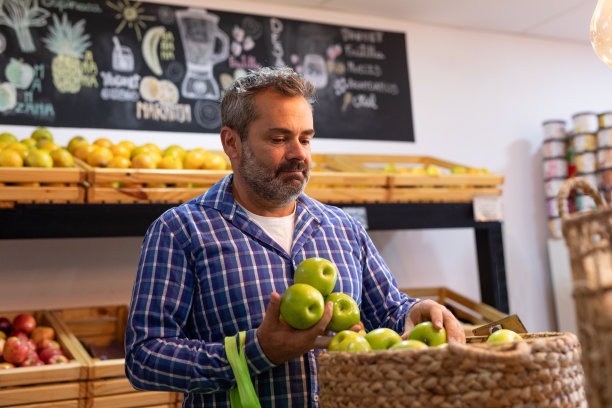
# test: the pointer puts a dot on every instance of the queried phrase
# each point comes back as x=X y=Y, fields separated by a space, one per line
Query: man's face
x=275 y=158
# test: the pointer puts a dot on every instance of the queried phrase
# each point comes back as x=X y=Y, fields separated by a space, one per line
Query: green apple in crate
x=428 y=334
x=348 y=340
x=382 y=338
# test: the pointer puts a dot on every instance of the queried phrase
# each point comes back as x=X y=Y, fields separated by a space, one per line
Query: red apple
x=20 y=334
x=32 y=362
x=41 y=333
x=58 y=359
x=4 y=365
x=47 y=353
x=46 y=343
x=24 y=322
x=15 y=350
x=5 y=325
x=32 y=345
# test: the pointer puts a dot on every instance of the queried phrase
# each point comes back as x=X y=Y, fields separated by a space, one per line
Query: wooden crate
x=39 y=185
x=143 y=185
x=61 y=385
x=106 y=385
x=472 y=314
x=361 y=178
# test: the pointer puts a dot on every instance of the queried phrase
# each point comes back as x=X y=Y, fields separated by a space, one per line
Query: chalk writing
x=163 y=112
x=276 y=28
x=361 y=36
x=72 y=5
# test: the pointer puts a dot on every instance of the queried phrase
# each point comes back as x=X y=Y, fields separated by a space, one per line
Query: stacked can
x=583 y=144
x=554 y=152
x=604 y=156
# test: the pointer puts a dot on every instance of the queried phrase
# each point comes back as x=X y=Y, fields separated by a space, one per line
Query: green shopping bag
x=243 y=396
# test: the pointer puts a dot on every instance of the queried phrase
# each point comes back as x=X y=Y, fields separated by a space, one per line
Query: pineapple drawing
x=68 y=42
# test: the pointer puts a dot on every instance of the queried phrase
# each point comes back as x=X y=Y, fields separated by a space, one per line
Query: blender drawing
x=204 y=44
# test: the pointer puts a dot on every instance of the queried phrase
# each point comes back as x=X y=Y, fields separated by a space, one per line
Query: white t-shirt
x=280 y=229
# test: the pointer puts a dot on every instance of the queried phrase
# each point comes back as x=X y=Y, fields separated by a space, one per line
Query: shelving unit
x=30 y=221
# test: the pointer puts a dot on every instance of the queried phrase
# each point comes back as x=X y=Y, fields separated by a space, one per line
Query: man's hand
x=439 y=315
x=281 y=342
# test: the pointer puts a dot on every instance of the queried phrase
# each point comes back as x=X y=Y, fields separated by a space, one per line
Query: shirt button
x=316 y=398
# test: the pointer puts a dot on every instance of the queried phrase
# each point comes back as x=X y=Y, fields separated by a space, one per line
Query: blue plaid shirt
x=206 y=272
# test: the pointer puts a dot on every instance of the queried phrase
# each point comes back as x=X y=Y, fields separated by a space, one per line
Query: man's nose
x=296 y=150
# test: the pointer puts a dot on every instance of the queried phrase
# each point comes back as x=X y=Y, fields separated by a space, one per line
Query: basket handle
x=517 y=350
x=572 y=184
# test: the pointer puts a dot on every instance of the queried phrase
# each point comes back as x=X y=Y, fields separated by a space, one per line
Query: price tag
x=359 y=213
x=487 y=208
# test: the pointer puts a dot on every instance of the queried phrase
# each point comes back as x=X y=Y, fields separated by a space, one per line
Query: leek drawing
x=20 y=15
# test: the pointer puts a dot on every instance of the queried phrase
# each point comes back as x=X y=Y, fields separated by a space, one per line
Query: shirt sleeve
x=159 y=354
x=383 y=304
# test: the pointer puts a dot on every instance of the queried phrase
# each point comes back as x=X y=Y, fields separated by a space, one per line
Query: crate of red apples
x=37 y=363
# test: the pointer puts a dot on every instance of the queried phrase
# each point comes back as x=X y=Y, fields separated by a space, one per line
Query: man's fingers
x=328 y=311
x=273 y=310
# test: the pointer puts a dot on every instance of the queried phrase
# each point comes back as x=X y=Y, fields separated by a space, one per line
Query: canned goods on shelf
x=554 y=227
x=586 y=162
x=604 y=158
x=585 y=122
x=554 y=129
x=552 y=186
x=604 y=177
x=552 y=208
x=605 y=119
x=555 y=167
x=604 y=137
x=554 y=148
x=583 y=142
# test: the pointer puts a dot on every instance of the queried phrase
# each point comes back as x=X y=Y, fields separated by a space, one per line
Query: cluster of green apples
x=302 y=304
x=422 y=336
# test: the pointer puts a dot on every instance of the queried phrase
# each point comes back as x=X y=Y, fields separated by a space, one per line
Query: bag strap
x=243 y=396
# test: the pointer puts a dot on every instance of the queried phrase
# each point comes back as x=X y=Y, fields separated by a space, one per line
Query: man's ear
x=231 y=142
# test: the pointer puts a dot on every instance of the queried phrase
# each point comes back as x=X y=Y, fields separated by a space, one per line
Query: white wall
x=478 y=98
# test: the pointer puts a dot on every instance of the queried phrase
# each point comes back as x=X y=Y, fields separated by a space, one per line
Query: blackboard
x=122 y=64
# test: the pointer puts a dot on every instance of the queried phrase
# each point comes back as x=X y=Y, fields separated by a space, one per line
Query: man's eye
x=305 y=141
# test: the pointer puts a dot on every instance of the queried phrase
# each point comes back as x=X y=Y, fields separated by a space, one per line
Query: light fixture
x=601 y=31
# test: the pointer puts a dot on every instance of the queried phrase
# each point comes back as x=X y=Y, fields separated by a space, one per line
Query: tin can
x=585 y=122
x=583 y=142
x=604 y=137
x=604 y=158
x=605 y=119
x=555 y=167
x=552 y=208
x=552 y=186
x=586 y=162
x=604 y=178
x=554 y=148
x=554 y=129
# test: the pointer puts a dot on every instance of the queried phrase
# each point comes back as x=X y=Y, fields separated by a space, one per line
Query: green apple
x=301 y=306
x=317 y=272
x=503 y=336
x=409 y=344
x=346 y=312
x=41 y=133
x=428 y=334
x=382 y=338
x=348 y=340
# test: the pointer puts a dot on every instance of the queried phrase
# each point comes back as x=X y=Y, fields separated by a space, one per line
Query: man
x=217 y=264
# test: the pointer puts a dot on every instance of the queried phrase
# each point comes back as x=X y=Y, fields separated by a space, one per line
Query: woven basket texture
x=588 y=236
x=544 y=370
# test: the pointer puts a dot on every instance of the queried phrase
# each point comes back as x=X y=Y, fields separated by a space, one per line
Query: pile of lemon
x=126 y=154
x=38 y=150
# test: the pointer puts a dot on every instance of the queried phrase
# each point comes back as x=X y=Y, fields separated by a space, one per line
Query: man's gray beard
x=268 y=186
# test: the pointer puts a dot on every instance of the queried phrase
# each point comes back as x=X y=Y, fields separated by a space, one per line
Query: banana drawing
x=149 y=48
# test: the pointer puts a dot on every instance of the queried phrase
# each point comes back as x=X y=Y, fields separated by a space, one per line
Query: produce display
x=24 y=343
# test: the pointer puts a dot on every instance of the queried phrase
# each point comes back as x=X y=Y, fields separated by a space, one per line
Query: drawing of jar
x=200 y=35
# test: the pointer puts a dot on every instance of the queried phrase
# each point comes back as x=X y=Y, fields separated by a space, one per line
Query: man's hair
x=237 y=106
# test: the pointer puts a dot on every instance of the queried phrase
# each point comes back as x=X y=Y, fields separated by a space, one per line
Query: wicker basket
x=542 y=371
x=588 y=236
